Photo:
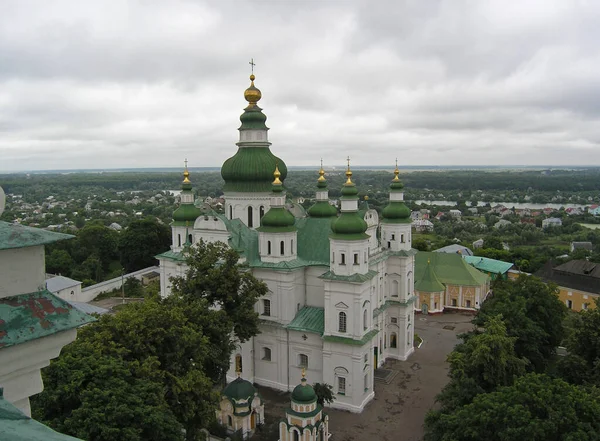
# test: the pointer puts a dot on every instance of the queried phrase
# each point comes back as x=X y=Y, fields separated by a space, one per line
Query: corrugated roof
x=87 y=308
x=309 y=319
x=57 y=283
x=16 y=426
x=488 y=265
x=450 y=269
x=20 y=236
x=31 y=316
x=575 y=274
x=455 y=248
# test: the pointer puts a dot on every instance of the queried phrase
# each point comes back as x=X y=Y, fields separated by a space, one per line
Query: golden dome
x=349 y=173
x=321 y=173
x=276 y=175
x=396 y=172
x=252 y=94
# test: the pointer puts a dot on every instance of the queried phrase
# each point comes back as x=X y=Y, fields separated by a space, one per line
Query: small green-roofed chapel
x=334 y=286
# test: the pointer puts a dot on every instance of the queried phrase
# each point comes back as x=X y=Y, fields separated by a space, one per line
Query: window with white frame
x=365 y=317
x=366 y=357
x=366 y=382
x=303 y=361
x=343 y=259
x=266 y=354
x=342 y=322
x=266 y=307
x=341 y=386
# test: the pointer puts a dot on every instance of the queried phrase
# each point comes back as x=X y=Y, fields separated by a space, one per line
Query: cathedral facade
x=341 y=284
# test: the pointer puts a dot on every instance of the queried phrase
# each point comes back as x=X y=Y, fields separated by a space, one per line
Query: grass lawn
x=591 y=226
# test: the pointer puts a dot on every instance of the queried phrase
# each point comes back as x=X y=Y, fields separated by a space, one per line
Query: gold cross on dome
x=185 y=163
x=348 y=159
x=251 y=63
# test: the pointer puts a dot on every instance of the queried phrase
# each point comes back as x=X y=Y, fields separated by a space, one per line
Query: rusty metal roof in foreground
x=20 y=236
x=39 y=314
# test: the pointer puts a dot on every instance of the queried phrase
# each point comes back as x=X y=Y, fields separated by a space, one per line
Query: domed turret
x=187 y=212
x=250 y=169
x=322 y=208
x=239 y=389
x=349 y=225
x=277 y=218
x=396 y=210
x=304 y=392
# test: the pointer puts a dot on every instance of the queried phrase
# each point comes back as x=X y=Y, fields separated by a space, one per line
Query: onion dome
x=349 y=225
x=304 y=392
x=239 y=389
x=396 y=210
x=250 y=169
x=429 y=282
x=322 y=208
x=187 y=212
x=277 y=218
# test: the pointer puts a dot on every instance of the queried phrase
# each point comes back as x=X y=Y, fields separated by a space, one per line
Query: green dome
x=186 y=213
x=349 y=190
x=322 y=209
x=253 y=118
x=277 y=217
x=350 y=224
x=251 y=170
x=396 y=212
x=239 y=389
x=304 y=393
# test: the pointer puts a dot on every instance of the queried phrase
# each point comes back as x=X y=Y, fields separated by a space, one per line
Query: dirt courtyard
x=398 y=409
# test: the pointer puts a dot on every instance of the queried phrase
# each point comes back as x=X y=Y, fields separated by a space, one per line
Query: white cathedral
x=340 y=299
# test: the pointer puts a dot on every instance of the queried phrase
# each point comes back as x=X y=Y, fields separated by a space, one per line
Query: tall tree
x=532 y=313
x=535 y=408
x=141 y=241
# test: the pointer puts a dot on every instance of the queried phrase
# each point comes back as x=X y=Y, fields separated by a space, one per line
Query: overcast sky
x=111 y=84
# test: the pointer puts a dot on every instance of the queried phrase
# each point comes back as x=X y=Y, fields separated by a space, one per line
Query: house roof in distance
x=20 y=236
x=455 y=249
x=580 y=275
x=488 y=265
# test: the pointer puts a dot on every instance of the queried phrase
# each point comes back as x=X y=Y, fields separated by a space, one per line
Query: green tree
x=96 y=239
x=420 y=244
x=94 y=393
x=324 y=393
x=141 y=241
x=59 y=262
x=532 y=313
x=535 y=408
x=214 y=275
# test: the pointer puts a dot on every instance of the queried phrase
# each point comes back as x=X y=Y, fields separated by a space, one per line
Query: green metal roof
x=350 y=341
x=429 y=282
x=20 y=236
x=172 y=255
x=31 y=316
x=309 y=319
x=450 y=269
x=239 y=389
x=487 y=265
x=251 y=170
x=354 y=278
x=16 y=426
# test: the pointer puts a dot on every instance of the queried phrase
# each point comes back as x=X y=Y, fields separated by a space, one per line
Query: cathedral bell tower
x=396 y=222
x=249 y=172
x=277 y=233
x=184 y=216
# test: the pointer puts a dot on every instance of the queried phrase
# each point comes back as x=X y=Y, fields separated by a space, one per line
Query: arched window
x=191 y=238
x=292 y=246
x=269 y=247
x=230 y=212
x=229 y=421
x=238 y=363
x=282 y=247
x=250 y=220
x=261 y=211
x=365 y=324
x=266 y=354
x=296 y=435
x=393 y=340
x=395 y=288
x=342 y=322
x=179 y=240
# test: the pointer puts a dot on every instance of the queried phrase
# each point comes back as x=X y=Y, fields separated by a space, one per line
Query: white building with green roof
x=340 y=300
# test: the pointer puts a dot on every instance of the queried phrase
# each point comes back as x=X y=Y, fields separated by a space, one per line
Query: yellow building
x=464 y=287
x=578 y=282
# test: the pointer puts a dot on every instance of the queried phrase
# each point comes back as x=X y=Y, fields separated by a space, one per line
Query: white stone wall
x=269 y=246
x=210 y=229
x=72 y=293
x=396 y=237
x=22 y=271
x=348 y=257
x=237 y=204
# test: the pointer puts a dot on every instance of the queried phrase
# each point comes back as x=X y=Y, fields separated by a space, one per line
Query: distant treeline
x=302 y=181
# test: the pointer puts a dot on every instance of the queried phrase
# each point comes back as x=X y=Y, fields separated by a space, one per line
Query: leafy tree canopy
x=141 y=241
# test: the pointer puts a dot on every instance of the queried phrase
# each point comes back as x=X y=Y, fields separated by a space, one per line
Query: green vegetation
x=153 y=369
x=505 y=380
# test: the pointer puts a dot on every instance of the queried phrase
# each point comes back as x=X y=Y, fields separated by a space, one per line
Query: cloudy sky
x=110 y=84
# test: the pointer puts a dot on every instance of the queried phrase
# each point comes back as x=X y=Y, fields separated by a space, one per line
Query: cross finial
x=251 y=63
x=396 y=162
x=348 y=159
x=321 y=162
x=303 y=373
x=185 y=163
